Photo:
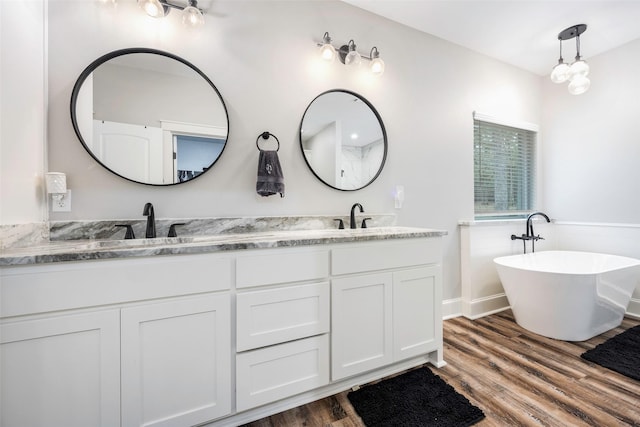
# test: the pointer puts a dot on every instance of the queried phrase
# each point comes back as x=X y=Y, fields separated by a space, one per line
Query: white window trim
x=505 y=122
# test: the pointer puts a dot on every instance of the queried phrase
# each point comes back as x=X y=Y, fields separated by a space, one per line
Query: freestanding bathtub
x=568 y=295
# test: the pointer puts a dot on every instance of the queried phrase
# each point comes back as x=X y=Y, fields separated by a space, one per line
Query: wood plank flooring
x=516 y=377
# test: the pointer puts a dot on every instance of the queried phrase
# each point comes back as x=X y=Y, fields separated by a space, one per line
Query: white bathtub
x=567 y=295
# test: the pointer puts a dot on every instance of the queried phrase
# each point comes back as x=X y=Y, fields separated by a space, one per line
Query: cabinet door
x=360 y=324
x=176 y=362
x=416 y=319
x=61 y=371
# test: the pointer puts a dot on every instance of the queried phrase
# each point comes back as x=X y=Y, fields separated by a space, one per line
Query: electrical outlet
x=63 y=205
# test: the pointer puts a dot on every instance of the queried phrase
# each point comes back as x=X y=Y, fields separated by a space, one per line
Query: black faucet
x=529 y=235
x=151 y=221
x=530 y=225
x=352 y=218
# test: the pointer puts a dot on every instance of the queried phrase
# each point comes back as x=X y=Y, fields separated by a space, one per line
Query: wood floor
x=516 y=377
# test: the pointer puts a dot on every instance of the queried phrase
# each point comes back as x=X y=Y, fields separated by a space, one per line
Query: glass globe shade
x=328 y=52
x=579 y=68
x=192 y=17
x=353 y=58
x=579 y=84
x=560 y=73
x=152 y=8
x=377 y=66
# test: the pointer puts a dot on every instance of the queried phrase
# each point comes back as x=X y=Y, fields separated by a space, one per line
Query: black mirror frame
x=382 y=128
x=114 y=54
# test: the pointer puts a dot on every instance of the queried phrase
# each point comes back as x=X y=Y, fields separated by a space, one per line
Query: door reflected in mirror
x=343 y=140
x=149 y=116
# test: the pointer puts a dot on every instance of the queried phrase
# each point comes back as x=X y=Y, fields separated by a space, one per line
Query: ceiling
x=523 y=33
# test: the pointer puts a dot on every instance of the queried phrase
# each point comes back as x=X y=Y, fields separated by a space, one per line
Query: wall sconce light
x=349 y=55
x=577 y=72
x=56 y=183
x=192 y=16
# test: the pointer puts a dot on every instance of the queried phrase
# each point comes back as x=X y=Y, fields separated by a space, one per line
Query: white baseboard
x=496 y=303
x=633 y=310
x=451 y=308
x=485 y=306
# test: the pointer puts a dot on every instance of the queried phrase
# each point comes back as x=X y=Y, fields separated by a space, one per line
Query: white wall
x=591 y=160
x=590 y=174
x=262 y=57
x=22 y=111
x=591 y=157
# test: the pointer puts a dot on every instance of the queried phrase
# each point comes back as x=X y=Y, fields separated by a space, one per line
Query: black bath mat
x=620 y=353
x=416 y=398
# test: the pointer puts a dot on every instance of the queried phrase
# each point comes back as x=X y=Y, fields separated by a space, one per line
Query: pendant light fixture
x=577 y=72
x=192 y=16
x=349 y=55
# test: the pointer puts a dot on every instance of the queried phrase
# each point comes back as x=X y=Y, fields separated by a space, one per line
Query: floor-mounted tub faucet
x=529 y=235
x=151 y=221
x=352 y=217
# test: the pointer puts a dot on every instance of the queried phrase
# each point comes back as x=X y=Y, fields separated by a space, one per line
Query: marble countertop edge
x=82 y=250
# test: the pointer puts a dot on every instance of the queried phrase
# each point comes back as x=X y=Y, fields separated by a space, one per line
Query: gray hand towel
x=270 y=177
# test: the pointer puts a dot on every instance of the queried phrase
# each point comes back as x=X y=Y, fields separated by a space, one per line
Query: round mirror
x=343 y=140
x=149 y=116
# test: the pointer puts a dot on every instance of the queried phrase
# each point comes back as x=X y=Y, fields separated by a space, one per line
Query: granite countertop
x=78 y=250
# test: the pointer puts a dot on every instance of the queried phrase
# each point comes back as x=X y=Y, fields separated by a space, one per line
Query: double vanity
x=214 y=330
x=229 y=321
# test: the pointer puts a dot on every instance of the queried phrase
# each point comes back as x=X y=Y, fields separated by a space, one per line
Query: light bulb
x=328 y=52
x=579 y=84
x=560 y=73
x=153 y=8
x=352 y=58
x=377 y=66
x=579 y=68
x=192 y=17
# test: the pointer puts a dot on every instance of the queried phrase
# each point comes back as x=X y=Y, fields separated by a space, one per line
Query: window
x=504 y=168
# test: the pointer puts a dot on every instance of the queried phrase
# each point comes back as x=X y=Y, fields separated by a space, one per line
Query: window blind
x=504 y=169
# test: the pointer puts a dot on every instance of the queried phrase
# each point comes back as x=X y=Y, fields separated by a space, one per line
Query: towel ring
x=266 y=135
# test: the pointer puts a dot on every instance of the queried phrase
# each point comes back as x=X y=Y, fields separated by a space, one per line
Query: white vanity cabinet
x=282 y=324
x=131 y=342
x=221 y=337
x=386 y=304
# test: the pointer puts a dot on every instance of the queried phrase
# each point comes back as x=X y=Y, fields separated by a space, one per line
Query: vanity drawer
x=272 y=316
x=382 y=255
x=273 y=373
x=281 y=266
